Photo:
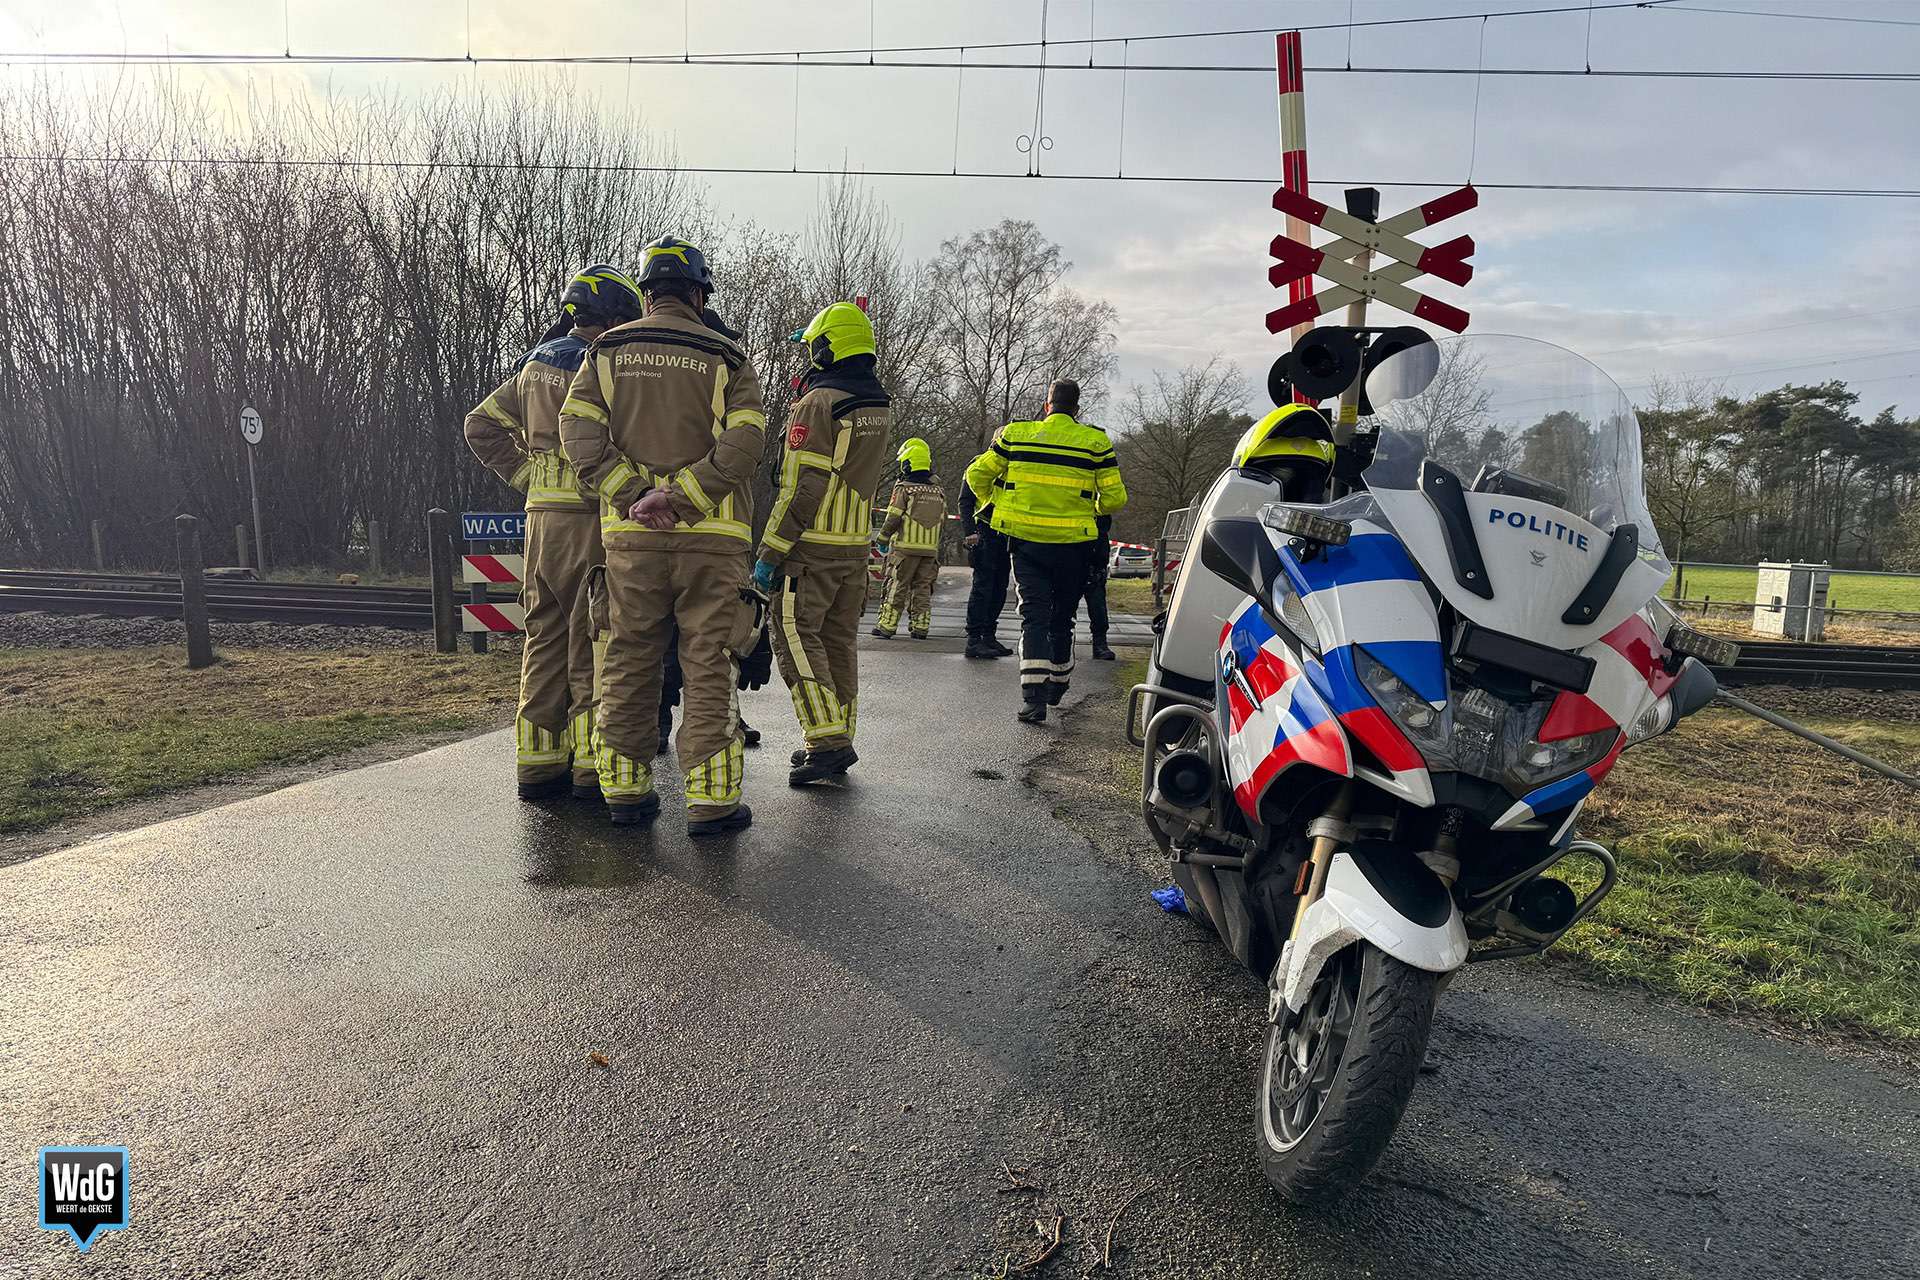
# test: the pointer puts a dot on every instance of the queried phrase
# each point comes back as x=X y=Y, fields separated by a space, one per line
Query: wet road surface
x=344 y=1030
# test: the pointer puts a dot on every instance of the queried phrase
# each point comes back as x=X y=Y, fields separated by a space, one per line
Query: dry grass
x=84 y=729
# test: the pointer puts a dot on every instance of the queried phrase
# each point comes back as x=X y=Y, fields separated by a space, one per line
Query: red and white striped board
x=492 y=617
x=1299 y=261
x=493 y=569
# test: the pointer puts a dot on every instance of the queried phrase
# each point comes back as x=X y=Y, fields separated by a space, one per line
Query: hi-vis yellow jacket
x=1049 y=481
x=515 y=432
x=663 y=402
x=914 y=516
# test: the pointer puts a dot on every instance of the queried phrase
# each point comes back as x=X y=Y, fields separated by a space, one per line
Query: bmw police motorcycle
x=1370 y=724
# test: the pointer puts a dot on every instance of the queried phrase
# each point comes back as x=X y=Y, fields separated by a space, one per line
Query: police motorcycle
x=1370 y=724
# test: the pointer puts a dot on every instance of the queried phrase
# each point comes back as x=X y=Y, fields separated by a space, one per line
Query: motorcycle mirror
x=1237 y=550
x=1325 y=362
x=1386 y=378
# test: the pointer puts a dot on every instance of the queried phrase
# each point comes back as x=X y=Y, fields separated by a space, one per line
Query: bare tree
x=1178 y=435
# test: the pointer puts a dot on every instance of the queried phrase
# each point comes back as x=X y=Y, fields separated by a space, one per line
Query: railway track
x=1807 y=666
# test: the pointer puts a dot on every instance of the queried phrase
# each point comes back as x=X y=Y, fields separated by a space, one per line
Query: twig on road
x=1019 y=1180
x=1106 y=1246
x=1048 y=1248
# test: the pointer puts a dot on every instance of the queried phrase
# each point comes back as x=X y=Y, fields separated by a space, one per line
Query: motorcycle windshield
x=1538 y=526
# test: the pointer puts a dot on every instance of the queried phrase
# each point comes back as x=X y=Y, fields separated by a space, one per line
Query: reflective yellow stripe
x=746 y=418
x=1050 y=521
x=690 y=486
x=521 y=474
x=499 y=415
x=778 y=543
x=835 y=539
x=583 y=409
x=712 y=524
x=617 y=478
x=806 y=458
x=1058 y=482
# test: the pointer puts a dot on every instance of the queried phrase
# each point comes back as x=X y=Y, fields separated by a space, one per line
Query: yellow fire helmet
x=1291 y=431
x=915 y=456
x=839 y=331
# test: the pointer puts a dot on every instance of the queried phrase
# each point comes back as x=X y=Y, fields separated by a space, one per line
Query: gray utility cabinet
x=1790 y=600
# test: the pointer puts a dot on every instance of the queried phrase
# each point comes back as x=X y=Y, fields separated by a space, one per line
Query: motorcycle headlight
x=1424 y=724
x=1534 y=762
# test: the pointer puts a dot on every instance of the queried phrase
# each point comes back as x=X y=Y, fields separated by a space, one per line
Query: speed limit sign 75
x=251 y=428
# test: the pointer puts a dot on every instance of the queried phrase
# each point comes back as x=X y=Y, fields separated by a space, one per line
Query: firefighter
x=813 y=554
x=515 y=432
x=915 y=516
x=1049 y=482
x=665 y=420
x=987 y=597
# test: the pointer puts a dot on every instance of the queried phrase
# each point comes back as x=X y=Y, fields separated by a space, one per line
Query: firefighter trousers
x=647 y=593
x=1050 y=577
x=554 y=727
x=816 y=624
x=909 y=590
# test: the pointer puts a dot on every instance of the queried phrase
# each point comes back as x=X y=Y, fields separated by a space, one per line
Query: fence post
x=240 y=545
x=376 y=549
x=193 y=592
x=446 y=634
x=99 y=531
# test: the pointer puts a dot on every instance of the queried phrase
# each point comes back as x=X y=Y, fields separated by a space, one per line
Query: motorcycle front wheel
x=1336 y=1075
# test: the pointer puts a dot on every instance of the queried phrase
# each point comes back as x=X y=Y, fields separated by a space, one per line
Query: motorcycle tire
x=1352 y=1055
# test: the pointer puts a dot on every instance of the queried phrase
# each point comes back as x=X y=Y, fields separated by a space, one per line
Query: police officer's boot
x=1101 y=653
x=979 y=647
x=749 y=735
x=1000 y=650
x=817 y=766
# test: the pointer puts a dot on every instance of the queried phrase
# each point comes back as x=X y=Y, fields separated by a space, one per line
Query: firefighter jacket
x=515 y=432
x=835 y=451
x=663 y=402
x=914 y=515
x=1049 y=481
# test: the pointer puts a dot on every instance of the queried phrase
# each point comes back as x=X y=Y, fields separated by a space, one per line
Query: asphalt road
x=344 y=1030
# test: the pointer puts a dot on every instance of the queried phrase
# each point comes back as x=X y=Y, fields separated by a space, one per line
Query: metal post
x=240 y=545
x=259 y=538
x=1820 y=740
x=376 y=549
x=446 y=618
x=193 y=592
x=99 y=530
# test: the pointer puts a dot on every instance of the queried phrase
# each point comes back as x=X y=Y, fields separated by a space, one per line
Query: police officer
x=915 y=515
x=1049 y=482
x=1097 y=590
x=813 y=553
x=1293 y=446
x=987 y=598
x=665 y=419
x=515 y=432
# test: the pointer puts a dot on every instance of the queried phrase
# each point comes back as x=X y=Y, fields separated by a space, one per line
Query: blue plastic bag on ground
x=1171 y=899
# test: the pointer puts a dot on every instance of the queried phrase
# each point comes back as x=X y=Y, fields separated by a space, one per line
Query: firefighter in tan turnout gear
x=515 y=432
x=813 y=554
x=915 y=514
x=665 y=420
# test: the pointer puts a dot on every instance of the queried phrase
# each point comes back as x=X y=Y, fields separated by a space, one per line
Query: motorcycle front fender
x=1404 y=910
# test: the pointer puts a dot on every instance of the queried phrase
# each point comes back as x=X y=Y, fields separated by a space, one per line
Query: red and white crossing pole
x=1293 y=152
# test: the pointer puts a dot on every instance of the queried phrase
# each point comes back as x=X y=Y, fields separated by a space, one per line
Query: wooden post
x=446 y=618
x=193 y=592
x=1293 y=151
x=240 y=546
x=99 y=530
x=376 y=549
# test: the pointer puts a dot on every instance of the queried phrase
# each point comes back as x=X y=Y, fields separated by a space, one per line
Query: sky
x=1745 y=292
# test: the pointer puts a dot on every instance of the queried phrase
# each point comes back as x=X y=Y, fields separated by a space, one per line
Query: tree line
x=363 y=273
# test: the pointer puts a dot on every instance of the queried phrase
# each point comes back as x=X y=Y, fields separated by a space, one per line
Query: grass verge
x=1758 y=873
x=81 y=730
x=1130 y=595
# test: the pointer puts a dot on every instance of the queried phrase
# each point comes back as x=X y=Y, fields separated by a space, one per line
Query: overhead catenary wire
x=350 y=162
x=801 y=58
x=779 y=56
